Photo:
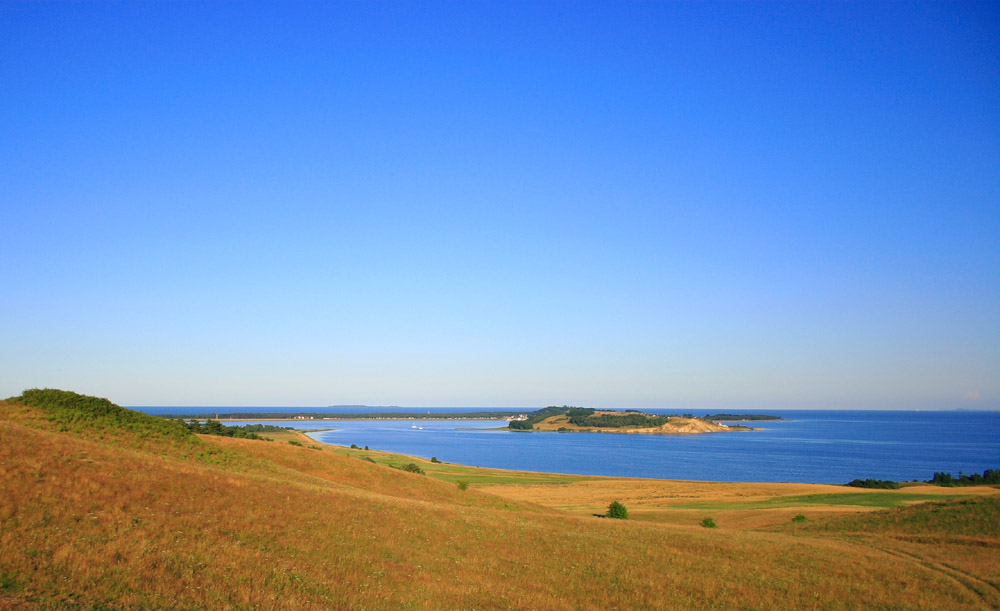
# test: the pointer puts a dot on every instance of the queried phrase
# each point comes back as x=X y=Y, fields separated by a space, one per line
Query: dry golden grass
x=739 y=505
x=86 y=522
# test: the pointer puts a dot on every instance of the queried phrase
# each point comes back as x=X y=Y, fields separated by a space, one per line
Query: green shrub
x=990 y=477
x=434 y=459
x=295 y=443
x=884 y=484
x=799 y=518
x=462 y=485
x=72 y=411
x=214 y=427
x=617 y=511
x=412 y=468
x=708 y=523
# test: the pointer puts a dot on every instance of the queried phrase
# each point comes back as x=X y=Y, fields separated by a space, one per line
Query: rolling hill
x=102 y=507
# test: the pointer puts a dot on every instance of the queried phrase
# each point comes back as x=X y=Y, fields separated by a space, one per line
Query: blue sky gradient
x=603 y=204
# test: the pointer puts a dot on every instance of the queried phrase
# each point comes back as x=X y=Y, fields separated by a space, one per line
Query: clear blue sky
x=502 y=204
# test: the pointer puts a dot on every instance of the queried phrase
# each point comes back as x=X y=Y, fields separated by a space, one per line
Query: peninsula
x=568 y=419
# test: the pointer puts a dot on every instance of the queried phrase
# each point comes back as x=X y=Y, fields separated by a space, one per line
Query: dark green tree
x=617 y=511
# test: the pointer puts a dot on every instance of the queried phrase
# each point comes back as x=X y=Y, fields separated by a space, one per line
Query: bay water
x=812 y=446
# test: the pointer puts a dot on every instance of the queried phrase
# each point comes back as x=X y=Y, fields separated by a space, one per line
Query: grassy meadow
x=121 y=510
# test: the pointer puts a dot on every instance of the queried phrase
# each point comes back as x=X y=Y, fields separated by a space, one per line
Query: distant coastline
x=319 y=416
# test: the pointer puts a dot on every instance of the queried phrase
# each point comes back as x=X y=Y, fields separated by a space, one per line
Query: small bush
x=7 y=582
x=368 y=458
x=463 y=485
x=295 y=443
x=412 y=468
x=799 y=518
x=354 y=446
x=708 y=523
x=434 y=459
x=617 y=511
x=885 y=484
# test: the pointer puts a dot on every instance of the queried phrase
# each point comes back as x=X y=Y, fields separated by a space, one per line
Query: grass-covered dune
x=101 y=507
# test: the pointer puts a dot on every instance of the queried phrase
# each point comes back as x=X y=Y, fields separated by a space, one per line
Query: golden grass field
x=98 y=518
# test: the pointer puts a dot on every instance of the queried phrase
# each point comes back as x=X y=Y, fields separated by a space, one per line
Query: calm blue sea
x=807 y=446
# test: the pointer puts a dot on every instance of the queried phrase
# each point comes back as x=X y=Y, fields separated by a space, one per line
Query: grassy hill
x=638 y=424
x=101 y=507
x=567 y=419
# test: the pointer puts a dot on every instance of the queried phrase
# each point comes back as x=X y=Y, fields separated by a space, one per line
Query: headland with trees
x=566 y=419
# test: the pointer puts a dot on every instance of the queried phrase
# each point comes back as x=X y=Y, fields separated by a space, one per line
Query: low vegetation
x=617 y=511
x=247 y=431
x=105 y=509
x=990 y=477
x=883 y=484
x=537 y=416
x=589 y=418
x=72 y=412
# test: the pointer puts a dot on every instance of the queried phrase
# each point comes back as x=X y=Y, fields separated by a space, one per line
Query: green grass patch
x=974 y=516
x=8 y=582
x=74 y=412
x=454 y=474
x=880 y=500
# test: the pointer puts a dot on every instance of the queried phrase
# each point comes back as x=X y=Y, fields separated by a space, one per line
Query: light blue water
x=808 y=446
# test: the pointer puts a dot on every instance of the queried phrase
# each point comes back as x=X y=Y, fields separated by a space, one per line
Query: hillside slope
x=99 y=515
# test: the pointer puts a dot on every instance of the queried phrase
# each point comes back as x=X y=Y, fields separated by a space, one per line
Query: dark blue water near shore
x=807 y=446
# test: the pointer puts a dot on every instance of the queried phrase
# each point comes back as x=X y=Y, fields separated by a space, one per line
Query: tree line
x=637 y=419
x=537 y=416
x=989 y=477
x=246 y=431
